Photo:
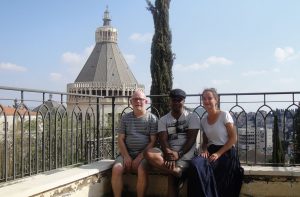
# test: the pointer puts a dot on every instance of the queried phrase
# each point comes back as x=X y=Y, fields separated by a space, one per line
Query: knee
x=142 y=170
x=147 y=154
x=117 y=170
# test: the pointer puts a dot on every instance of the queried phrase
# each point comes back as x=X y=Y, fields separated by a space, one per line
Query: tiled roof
x=10 y=111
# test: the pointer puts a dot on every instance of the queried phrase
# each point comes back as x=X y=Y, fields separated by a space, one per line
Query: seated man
x=177 y=135
x=137 y=133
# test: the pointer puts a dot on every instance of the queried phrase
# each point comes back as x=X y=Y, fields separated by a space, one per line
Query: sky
x=235 y=46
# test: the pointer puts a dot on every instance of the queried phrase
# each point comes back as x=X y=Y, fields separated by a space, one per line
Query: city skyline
x=234 y=46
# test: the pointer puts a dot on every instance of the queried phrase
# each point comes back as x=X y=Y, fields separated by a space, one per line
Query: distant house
x=9 y=115
x=50 y=106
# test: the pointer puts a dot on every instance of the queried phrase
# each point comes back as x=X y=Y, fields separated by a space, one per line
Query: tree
x=277 y=154
x=161 y=55
x=297 y=137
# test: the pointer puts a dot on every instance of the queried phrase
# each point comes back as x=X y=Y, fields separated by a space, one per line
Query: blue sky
x=232 y=45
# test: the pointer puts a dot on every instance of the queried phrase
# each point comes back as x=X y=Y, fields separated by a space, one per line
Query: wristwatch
x=180 y=153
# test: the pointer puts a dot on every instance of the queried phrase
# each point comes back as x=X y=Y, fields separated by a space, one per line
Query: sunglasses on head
x=178 y=129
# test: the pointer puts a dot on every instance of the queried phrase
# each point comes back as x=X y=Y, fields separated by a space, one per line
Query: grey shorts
x=120 y=160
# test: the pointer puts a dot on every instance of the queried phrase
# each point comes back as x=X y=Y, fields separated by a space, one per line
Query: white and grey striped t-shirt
x=137 y=131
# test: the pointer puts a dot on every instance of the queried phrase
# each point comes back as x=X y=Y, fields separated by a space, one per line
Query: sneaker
x=180 y=178
x=178 y=171
x=180 y=183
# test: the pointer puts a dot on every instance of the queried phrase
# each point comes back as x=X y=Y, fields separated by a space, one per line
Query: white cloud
x=130 y=59
x=147 y=37
x=76 y=59
x=194 y=66
x=218 y=60
x=210 y=61
x=12 y=67
x=55 y=76
x=254 y=73
x=284 y=54
x=71 y=58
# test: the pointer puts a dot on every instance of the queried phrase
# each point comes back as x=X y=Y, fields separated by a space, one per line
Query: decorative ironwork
x=38 y=135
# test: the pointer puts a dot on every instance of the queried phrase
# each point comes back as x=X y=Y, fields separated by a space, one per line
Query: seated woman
x=216 y=171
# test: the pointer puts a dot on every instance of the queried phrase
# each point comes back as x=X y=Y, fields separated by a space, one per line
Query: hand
x=171 y=155
x=205 y=154
x=136 y=162
x=170 y=164
x=214 y=157
x=127 y=163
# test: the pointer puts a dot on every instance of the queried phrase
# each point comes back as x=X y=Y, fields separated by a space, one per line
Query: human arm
x=163 y=140
x=204 y=153
x=232 y=138
x=123 y=151
x=169 y=154
x=191 y=139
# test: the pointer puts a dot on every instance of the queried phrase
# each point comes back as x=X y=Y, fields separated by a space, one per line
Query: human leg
x=117 y=177
x=155 y=157
x=142 y=179
x=173 y=190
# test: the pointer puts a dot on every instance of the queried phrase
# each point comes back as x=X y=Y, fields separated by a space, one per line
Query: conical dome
x=106 y=63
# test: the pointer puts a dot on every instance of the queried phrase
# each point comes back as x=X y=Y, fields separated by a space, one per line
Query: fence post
x=98 y=121
x=113 y=128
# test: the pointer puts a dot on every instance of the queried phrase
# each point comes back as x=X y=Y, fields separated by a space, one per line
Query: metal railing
x=39 y=134
x=44 y=130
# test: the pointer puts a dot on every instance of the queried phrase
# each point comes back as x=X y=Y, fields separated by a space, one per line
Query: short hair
x=138 y=91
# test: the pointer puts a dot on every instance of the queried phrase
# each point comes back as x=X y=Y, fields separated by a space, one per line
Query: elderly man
x=136 y=134
x=177 y=135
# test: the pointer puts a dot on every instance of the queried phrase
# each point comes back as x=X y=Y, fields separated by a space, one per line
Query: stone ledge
x=50 y=180
x=272 y=171
x=62 y=178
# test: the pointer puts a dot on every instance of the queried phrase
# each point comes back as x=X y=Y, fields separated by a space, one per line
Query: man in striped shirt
x=137 y=132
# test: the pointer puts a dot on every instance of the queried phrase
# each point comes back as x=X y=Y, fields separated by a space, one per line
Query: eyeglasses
x=138 y=99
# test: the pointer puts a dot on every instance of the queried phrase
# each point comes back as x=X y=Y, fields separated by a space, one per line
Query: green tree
x=297 y=137
x=277 y=154
x=161 y=55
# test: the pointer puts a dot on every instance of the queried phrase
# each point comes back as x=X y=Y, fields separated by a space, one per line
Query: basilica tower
x=105 y=72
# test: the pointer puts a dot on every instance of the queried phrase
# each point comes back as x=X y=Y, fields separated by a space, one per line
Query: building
x=263 y=139
x=105 y=73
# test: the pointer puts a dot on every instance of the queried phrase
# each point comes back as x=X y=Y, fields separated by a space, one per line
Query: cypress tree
x=297 y=137
x=277 y=154
x=161 y=55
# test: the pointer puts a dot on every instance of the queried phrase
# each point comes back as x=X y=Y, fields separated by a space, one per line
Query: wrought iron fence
x=44 y=130
x=39 y=134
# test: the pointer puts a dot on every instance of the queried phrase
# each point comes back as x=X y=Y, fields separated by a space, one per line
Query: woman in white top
x=216 y=171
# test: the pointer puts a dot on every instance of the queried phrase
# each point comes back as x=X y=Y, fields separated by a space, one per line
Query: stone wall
x=93 y=180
